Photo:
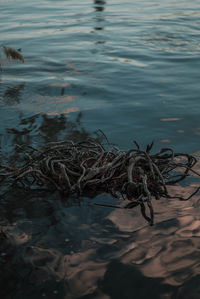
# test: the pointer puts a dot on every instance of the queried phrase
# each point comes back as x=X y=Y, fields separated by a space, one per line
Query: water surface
x=130 y=69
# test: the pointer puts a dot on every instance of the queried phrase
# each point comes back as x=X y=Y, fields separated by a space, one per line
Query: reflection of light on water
x=78 y=250
x=73 y=70
x=183 y=14
x=60 y=84
x=170 y=119
x=50 y=104
x=170 y=249
x=130 y=61
x=65 y=111
x=83 y=273
x=50 y=100
x=165 y=140
x=13 y=79
x=129 y=221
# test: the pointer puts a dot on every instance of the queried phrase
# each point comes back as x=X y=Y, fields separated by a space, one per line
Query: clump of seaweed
x=89 y=168
x=12 y=53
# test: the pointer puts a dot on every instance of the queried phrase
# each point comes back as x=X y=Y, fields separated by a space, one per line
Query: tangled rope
x=89 y=168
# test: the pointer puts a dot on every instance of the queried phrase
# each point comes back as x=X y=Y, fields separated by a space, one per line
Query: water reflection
x=99 y=7
x=41 y=128
x=12 y=94
x=80 y=251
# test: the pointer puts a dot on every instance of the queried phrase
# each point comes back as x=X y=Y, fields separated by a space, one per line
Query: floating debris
x=89 y=168
x=12 y=53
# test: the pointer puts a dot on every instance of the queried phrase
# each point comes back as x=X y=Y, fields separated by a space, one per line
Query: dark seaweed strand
x=90 y=168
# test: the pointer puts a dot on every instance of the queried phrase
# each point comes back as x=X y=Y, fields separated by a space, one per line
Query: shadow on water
x=125 y=281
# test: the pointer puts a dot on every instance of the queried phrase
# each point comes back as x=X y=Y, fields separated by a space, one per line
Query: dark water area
x=130 y=69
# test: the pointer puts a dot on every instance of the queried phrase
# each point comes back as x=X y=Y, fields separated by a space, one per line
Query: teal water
x=130 y=69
